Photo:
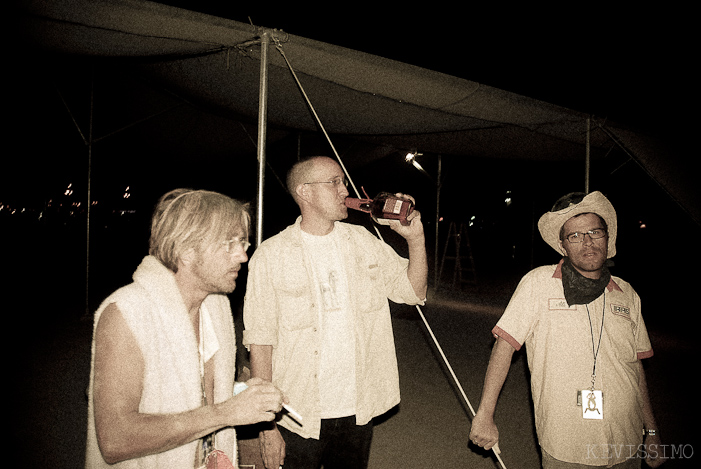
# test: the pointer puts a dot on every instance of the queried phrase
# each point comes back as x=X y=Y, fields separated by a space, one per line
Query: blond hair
x=193 y=219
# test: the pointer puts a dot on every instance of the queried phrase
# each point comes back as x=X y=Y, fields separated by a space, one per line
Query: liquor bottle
x=383 y=208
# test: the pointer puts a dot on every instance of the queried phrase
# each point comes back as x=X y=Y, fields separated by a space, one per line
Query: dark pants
x=341 y=445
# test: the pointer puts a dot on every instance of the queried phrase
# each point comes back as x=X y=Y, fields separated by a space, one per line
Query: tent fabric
x=215 y=63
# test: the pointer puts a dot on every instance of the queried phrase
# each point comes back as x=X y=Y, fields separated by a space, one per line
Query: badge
x=592 y=404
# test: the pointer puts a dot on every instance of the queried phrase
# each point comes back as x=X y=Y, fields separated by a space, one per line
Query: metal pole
x=587 y=158
x=89 y=198
x=438 y=219
x=262 y=119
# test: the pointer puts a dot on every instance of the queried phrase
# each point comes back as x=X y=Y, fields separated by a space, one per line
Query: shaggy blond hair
x=197 y=219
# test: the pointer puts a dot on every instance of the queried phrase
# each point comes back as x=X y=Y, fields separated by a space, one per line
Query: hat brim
x=550 y=223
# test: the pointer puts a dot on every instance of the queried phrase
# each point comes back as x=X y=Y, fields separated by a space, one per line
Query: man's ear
x=562 y=248
x=187 y=257
x=302 y=191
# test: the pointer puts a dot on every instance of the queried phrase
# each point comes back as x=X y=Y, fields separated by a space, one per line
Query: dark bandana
x=580 y=290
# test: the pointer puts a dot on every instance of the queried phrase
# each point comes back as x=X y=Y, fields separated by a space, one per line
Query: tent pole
x=89 y=200
x=587 y=158
x=438 y=219
x=262 y=119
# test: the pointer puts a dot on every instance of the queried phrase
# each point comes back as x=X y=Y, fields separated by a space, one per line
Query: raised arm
x=416 y=242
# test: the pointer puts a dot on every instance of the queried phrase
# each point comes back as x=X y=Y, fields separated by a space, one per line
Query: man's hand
x=484 y=432
x=272 y=448
x=259 y=403
x=415 y=229
x=653 y=447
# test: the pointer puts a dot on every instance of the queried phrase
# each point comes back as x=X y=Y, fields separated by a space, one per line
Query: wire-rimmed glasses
x=335 y=182
x=578 y=236
x=233 y=243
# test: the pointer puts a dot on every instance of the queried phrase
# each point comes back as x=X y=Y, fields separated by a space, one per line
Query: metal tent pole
x=587 y=158
x=438 y=219
x=262 y=119
x=89 y=198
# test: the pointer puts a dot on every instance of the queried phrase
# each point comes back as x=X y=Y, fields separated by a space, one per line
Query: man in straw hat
x=585 y=338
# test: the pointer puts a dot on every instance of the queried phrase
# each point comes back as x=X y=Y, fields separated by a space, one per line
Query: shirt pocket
x=368 y=286
x=295 y=303
x=623 y=338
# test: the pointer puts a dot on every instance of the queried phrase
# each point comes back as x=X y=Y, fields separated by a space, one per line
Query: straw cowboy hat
x=551 y=222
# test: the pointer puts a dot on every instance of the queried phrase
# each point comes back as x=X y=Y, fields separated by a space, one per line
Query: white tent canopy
x=214 y=63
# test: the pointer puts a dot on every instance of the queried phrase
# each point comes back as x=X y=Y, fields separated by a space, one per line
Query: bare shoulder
x=115 y=345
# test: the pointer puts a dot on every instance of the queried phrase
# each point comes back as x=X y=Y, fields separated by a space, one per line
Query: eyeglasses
x=578 y=237
x=335 y=182
x=233 y=243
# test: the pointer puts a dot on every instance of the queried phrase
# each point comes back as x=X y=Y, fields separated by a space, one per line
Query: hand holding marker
x=241 y=387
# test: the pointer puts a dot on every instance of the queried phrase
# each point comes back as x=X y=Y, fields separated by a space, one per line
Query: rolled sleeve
x=259 y=311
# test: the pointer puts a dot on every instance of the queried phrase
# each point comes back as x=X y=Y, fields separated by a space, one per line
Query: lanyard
x=595 y=351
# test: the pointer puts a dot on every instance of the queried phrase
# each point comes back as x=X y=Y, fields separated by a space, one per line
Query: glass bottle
x=383 y=208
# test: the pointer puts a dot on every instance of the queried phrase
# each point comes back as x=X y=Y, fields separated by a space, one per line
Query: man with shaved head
x=317 y=322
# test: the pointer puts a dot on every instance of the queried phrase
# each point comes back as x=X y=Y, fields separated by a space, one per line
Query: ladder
x=461 y=254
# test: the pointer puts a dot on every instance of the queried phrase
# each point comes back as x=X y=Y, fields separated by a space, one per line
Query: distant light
x=411 y=158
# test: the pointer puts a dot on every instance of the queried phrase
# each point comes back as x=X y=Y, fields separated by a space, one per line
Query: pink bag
x=217 y=459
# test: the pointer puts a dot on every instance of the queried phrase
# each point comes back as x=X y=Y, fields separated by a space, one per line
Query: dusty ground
x=428 y=430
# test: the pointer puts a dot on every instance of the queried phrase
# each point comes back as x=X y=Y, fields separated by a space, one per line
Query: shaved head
x=301 y=172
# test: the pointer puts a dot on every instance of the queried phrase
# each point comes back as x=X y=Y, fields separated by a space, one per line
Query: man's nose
x=240 y=255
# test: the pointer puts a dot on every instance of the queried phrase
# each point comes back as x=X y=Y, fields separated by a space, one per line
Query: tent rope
x=278 y=45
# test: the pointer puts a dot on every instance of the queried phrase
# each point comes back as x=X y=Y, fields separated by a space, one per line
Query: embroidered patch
x=622 y=311
x=560 y=304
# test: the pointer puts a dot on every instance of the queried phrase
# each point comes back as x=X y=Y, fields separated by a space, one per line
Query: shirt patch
x=560 y=304
x=622 y=311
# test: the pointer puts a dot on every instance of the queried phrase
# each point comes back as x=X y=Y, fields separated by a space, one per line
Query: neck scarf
x=581 y=290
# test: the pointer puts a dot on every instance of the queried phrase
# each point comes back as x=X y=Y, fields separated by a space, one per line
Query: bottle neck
x=364 y=205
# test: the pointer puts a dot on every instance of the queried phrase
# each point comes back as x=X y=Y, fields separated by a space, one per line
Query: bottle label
x=393 y=206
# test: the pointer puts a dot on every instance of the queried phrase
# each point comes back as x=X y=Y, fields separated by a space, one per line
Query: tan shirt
x=560 y=352
x=281 y=309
